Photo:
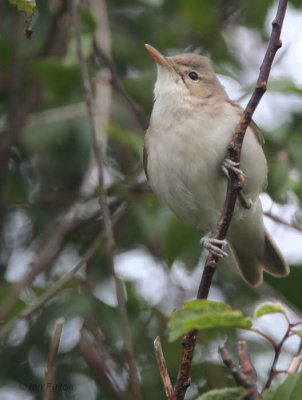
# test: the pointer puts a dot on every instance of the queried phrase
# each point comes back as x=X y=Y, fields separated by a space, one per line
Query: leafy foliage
x=269 y=308
x=224 y=394
x=28 y=6
x=205 y=314
x=290 y=389
x=50 y=213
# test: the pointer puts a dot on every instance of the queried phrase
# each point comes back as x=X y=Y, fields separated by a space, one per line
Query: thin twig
x=245 y=374
x=266 y=337
x=48 y=250
x=95 y=360
x=234 y=185
x=294 y=365
x=98 y=152
x=281 y=221
x=296 y=361
x=163 y=370
x=272 y=371
x=136 y=109
x=50 y=370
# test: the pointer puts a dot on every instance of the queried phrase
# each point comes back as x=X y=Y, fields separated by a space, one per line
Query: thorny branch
x=234 y=185
x=98 y=152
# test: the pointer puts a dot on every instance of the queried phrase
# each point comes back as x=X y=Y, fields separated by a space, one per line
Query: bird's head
x=186 y=75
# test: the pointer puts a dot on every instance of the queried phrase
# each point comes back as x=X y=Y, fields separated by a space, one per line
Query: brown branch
x=45 y=255
x=281 y=221
x=96 y=362
x=272 y=372
x=50 y=370
x=136 y=109
x=163 y=370
x=62 y=281
x=244 y=375
x=103 y=200
x=234 y=185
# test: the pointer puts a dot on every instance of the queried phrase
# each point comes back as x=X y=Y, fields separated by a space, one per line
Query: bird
x=185 y=161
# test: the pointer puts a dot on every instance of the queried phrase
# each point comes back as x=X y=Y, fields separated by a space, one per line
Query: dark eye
x=193 y=75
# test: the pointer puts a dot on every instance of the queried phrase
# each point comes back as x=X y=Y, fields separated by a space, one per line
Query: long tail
x=251 y=265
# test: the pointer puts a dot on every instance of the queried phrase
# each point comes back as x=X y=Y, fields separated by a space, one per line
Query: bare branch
x=63 y=280
x=281 y=221
x=50 y=370
x=272 y=372
x=93 y=357
x=163 y=370
x=244 y=375
x=234 y=185
x=98 y=152
x=45 y=255
x=136 y=109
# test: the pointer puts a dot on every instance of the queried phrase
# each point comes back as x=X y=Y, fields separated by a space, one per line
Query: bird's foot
x=212 y=245
x=228 y=164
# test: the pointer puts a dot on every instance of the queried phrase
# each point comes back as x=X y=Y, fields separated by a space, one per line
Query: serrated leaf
x=27 y=6
x=269 y=308
x=205 y=314
x=224 y=394
x=290 y=389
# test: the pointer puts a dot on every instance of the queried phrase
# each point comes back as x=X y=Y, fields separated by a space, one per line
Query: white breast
x=185 y=152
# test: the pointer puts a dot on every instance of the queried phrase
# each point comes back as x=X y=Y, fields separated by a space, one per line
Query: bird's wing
x=253 y=125
x=145 y=160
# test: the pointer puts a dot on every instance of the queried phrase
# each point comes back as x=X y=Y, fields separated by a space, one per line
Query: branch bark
x=163 y=370
x=50 y=370
x=234 y=185
x=245 y=374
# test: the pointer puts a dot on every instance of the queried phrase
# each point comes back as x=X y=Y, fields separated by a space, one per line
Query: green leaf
x=27 y=6
x=269 y=308
x=88 y=23
x=205 y=314
x=284 y=85
x=290 y=389
x=298 y=332
x=224 y=394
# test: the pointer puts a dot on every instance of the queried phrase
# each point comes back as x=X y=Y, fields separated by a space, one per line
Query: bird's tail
x=251 y=265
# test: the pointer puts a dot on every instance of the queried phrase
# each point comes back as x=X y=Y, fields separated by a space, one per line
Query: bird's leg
x=245 y=201
x=227 y=165
x=212 y=245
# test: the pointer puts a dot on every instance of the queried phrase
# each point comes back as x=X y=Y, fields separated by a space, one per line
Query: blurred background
x=50 y=221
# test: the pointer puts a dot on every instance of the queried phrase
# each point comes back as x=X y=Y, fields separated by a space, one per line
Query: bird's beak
x=158 y=57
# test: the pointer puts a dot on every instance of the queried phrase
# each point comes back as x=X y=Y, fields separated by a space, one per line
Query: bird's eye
x=193 y=75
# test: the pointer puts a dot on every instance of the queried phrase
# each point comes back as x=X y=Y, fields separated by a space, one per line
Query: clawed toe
x=228 y=164
x=212 y=245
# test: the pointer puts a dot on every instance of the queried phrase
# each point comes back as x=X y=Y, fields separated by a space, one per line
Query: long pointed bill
x=158 y=57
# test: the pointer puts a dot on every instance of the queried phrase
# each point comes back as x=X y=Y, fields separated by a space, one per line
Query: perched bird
x=185 y=152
